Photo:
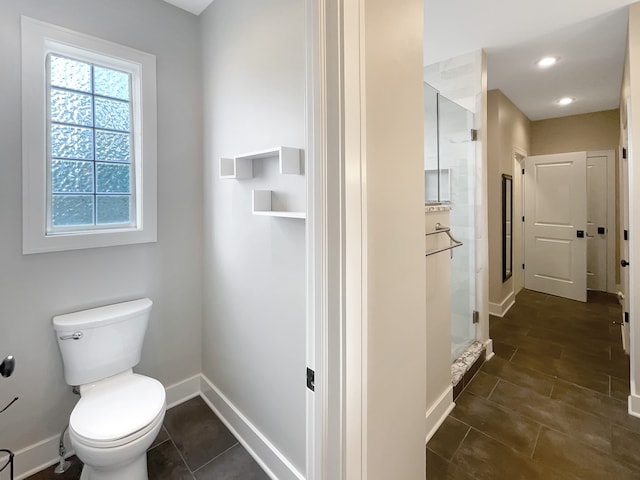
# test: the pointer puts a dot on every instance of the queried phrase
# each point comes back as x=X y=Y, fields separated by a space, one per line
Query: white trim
x=438 y=412
x=39 y=39
x=633 y=252
x=634 y=405
x=500 y=309
x=518 y=224
x=36 y=457
x=316 y=405
x=265 y=453
x=350 y=90
x=325 y=450
x=611 y=263
x=482 y=206
x=488 y=350
x=182 y=391
x=42 y=455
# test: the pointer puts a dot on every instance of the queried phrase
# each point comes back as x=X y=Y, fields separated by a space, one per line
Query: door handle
x=601 y=231
x=580 y=234
x=623 y=263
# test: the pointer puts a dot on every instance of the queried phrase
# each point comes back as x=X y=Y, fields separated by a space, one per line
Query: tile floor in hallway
x=193 y=444
x=551 y=404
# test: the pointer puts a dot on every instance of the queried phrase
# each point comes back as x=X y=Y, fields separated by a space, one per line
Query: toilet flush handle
x=73 y=336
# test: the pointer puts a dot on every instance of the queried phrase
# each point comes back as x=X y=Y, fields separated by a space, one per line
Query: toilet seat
x=117 y=410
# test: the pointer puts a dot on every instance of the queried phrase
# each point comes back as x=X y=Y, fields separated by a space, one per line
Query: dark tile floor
x=193 y=444
x=550 y=405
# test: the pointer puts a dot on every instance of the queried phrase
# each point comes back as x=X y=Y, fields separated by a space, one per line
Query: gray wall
x=254 y=301
x=34 y=288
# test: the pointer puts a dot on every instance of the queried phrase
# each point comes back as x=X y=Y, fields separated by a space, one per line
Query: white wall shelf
x=261 y=205
x=241 y=167
x=232 y=168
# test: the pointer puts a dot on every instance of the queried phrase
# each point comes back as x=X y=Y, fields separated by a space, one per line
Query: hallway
x=551 y=404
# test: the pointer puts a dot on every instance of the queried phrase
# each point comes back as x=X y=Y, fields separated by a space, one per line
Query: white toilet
x=119 y=413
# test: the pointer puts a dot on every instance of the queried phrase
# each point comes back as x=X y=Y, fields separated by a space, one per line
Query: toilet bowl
x=119 y=413
x=114 y=424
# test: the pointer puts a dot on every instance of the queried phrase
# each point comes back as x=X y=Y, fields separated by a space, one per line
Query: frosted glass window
x=113 y=209
x=113 y=147
x=112 y=178
x=112 y=114
x=111 y=83
x=71 y=176
x=71 y=142
x=90 y=159
x=89 y=132
x=72 y=210
x=71 y=107
x=68 y=73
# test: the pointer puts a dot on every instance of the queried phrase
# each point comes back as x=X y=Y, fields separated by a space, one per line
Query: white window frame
x=38 y=40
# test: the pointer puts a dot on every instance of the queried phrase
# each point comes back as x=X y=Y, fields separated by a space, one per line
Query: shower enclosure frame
x=455 y=164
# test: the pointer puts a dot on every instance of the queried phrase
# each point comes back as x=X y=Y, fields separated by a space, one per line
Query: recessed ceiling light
x=565 y=101
x=546 y=62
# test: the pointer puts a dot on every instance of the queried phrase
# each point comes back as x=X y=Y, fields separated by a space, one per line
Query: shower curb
x=466 y=366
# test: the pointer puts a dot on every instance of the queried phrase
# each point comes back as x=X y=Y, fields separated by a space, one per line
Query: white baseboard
x=37 y=457
x=634 y=405
x=41 y=455
x=272 y=461
x=182 y=391
x=488 y=350
x=439 y=411
x=500 y=309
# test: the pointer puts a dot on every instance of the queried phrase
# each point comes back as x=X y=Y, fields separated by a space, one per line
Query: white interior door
x=555 y=224
x=597 y=223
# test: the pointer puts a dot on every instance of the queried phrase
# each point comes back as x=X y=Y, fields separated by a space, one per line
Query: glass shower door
x=456 y=182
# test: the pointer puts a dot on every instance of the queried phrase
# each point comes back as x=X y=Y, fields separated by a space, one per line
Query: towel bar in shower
x=440 y=229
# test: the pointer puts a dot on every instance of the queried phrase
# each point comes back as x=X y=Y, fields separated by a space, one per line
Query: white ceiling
x=193 y=6
x=589 y=36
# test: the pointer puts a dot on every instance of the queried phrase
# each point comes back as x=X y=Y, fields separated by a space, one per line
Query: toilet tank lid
x=100 y=316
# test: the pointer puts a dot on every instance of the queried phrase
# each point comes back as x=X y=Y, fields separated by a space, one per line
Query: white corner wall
x=254 y=279
x=34 y=288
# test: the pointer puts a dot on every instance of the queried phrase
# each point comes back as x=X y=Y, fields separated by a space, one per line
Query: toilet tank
x=101 y=342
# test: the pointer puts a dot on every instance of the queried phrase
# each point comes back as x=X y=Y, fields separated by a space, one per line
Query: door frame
x=612 y=285
x=519 y=156
x=612 y=232
x=325 y=320
x=340 y=422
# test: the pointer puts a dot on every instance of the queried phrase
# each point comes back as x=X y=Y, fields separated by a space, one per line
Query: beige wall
x=391 y=119
x=576 y=133
x=508 y=128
